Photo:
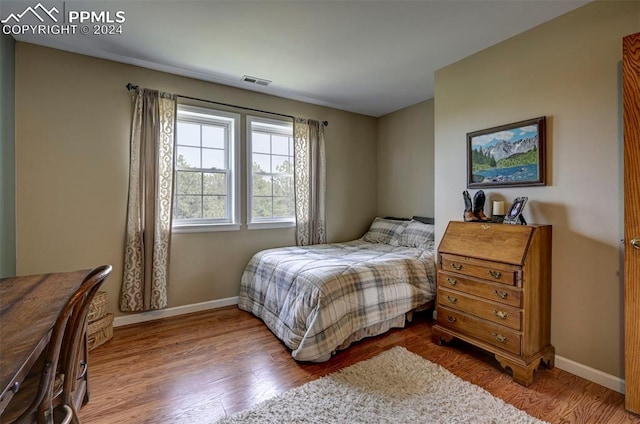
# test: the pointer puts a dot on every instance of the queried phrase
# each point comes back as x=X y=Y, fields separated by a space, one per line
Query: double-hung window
x=206 y=170
x=270 y=173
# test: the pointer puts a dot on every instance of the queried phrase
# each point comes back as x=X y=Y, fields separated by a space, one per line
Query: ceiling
x=369 y=57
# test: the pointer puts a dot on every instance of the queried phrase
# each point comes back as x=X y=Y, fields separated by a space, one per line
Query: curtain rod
x=131 y=87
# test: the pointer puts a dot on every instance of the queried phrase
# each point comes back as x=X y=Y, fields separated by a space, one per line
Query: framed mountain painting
x=508 y=155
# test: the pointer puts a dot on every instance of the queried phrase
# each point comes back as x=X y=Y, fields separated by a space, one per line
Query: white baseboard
x=607 y=380
x=171 y=312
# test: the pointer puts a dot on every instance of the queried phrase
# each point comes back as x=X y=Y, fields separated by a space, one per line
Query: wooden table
x=29 y=307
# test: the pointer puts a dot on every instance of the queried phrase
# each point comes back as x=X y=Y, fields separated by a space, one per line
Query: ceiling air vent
x=254 y=80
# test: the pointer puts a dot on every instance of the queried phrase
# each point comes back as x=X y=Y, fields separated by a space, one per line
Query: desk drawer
x=491 y=311
x=489 y=271
x=491 y=291
x=36 y=357
x=488 y=332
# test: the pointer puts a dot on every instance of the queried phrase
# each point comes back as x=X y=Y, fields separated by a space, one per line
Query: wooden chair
x=55 y=382
x=73 y=363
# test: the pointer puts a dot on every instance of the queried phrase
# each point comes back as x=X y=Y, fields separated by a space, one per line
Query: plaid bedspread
x=314 y=297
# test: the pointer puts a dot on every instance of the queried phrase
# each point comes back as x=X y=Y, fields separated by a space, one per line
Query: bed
x=319 y=299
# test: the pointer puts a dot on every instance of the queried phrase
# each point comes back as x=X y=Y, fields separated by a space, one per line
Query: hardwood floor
x=196 y=368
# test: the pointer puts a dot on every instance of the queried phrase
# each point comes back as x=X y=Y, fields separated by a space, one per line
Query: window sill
x=270 y=225
x=204 y=228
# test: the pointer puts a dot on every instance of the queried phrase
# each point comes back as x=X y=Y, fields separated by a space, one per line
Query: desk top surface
x=29 y=307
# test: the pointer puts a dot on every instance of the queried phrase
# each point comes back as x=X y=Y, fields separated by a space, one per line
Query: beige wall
x=569 y=70
x=405 y=161
x=72 y=147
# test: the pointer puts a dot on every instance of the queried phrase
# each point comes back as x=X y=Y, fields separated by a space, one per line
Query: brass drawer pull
x=500 y=337
x=452 y=281
x=495 y=274
x=452 y=299
x=451 y=319
x=500 y=314
x=455 y=266
x=501 y=294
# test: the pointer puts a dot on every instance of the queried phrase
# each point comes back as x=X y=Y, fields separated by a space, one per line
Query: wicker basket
x=100 y=331
x=98 y=307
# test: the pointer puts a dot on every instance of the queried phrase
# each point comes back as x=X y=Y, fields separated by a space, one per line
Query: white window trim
x=209 y=225
x=203 y=228
x=266 y=223
x=275 y=224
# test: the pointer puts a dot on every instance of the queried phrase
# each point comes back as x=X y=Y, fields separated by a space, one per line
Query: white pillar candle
x=498 y=207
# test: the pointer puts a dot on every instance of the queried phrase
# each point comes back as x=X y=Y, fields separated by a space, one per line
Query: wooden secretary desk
x=494 y=291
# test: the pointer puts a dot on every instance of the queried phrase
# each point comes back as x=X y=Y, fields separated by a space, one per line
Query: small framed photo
x=508 y=155
x=514 y=216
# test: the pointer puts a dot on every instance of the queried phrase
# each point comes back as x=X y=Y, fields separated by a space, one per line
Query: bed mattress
x=318 y=299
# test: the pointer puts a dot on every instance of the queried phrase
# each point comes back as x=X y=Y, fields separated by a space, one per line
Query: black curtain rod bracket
x=132 y=87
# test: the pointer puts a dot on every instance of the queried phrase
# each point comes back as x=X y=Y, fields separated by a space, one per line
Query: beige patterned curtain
x=309 y=182
x=146 y=256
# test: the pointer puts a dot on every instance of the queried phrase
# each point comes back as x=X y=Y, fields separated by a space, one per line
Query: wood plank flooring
x=200 y=367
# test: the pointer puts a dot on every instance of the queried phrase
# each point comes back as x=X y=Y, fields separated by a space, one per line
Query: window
x=206 y=170
x=270 y=169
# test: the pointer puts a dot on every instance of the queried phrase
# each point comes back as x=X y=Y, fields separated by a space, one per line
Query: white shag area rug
x=396 y=386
